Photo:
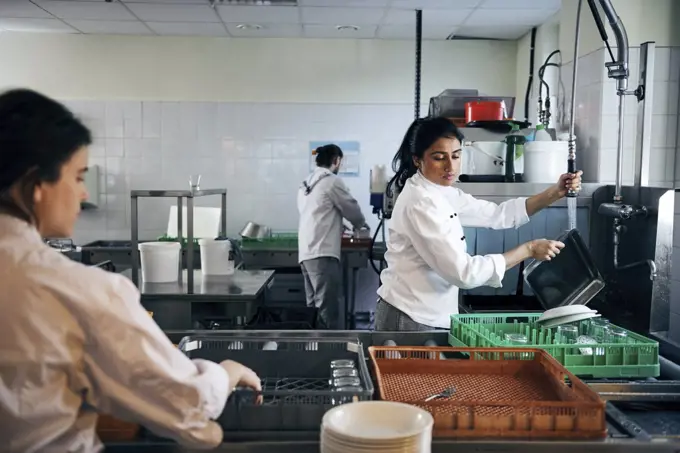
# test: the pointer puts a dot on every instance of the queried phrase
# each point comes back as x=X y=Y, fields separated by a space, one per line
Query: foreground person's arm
x=137 y=374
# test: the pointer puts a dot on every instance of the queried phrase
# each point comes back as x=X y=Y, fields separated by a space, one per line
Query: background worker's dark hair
x=326 y=154
x=37 y=137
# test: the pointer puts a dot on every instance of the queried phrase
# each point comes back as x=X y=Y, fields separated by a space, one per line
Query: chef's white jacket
x=75 y=337
x=323 y=200
x=427 y=259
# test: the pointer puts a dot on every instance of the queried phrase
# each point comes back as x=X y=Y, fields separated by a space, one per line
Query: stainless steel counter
x=438 y=446
x=243 y=285
x=626 y=433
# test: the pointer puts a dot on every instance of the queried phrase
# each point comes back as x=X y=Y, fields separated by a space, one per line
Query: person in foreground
x=427 y=259
x=75 y=339
x=323 y=201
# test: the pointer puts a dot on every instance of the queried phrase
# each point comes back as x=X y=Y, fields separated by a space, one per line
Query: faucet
x=621 y=212
x=618 y=231
x=618 y=70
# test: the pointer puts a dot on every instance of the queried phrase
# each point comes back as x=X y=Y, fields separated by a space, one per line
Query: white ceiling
x=382 y=19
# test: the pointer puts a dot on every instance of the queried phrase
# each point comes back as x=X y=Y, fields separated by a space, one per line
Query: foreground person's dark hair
x=37 y=136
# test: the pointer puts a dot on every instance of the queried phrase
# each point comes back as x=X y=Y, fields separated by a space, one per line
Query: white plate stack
x=376 y=426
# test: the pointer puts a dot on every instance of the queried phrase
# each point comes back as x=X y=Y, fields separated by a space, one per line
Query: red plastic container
x=484 y=111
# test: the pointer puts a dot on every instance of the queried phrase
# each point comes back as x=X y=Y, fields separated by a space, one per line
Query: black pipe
x=532 y=55
x=669 y=370
x=419 y=54
x=371 y=255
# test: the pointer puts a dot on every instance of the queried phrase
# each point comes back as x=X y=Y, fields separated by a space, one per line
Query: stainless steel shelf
x=241 y=286
x=176 y=193
x=190 y=195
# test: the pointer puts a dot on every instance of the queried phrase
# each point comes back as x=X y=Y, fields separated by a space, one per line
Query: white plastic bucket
x=217 y=257
x=544 y=162
x=160 y=261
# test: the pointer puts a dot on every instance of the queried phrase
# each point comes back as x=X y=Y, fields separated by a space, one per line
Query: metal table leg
x=343 y=312
x=352 y=321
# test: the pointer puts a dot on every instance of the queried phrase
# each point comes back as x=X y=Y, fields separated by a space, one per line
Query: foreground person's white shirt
x=427 y=259
x=75 y=336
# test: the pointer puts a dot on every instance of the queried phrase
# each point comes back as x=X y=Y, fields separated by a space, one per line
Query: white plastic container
x=160 y=261
x=379 y=179
x=541 y=135
x=545 y=162
x=217 y=257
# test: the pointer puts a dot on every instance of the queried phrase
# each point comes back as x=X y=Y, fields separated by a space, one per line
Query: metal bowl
x=255 y=231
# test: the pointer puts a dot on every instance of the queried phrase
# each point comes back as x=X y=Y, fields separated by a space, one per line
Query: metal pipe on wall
x=619 y=149
x=532 y=56
x=619 y=68
x=643 y=142
x=419 y=53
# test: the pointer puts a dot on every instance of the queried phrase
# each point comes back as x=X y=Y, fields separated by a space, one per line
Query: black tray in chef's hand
x=295 y=375
x=569 y=278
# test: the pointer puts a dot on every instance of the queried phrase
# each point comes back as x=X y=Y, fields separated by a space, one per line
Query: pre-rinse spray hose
x=571 y=160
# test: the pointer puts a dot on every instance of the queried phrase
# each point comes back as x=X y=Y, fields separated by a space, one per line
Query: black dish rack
x=295 y=379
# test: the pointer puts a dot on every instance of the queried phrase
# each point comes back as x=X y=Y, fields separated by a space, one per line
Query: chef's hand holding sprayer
x=76 y=340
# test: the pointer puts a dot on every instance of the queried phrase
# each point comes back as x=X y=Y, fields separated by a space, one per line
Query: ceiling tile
x=86 y=10
x=436 y=4
x=36 y=25
x=489 y=17
x=430 y=17
x=494 y=32
x=108 y=27
x=439 y=32
x=553 y=5
x=329 y=31
x=173 y=13
x=267 y=31
x=21 y=8
x=346 y=3
x=342 y=16
x=187 y=28
x=259 y=14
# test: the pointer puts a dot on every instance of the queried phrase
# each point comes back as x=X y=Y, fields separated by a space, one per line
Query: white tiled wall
x=587 y=111
x=259 y=152
x=597 y=117
x=664 y=120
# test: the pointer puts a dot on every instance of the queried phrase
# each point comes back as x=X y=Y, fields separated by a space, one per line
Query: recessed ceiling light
x=249 y=27
x=347 y=28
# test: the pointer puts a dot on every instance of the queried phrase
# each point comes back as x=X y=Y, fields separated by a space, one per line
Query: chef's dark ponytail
x=420 y=136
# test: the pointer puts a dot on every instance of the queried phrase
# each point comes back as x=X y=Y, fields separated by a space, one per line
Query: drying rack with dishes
x=585 y=343
x=574 y=334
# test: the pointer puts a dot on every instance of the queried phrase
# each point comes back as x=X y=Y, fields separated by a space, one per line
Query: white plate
x=418 y=444
x=554 y=322
x=377 y=420
x=566 y=310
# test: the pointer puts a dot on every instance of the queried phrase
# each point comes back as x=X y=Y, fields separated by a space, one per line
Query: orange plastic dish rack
x=495 y=392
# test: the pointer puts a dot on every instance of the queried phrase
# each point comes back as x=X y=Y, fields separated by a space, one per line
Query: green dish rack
x=277 y=241
x=638 y=357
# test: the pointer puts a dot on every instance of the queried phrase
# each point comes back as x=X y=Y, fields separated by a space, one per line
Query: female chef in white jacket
x=75 y=339
x=427 y=259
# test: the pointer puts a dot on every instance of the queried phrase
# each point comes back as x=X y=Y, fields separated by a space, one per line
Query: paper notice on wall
x=351 y=151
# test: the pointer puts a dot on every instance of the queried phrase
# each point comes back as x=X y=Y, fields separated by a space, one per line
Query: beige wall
x=250 y=70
